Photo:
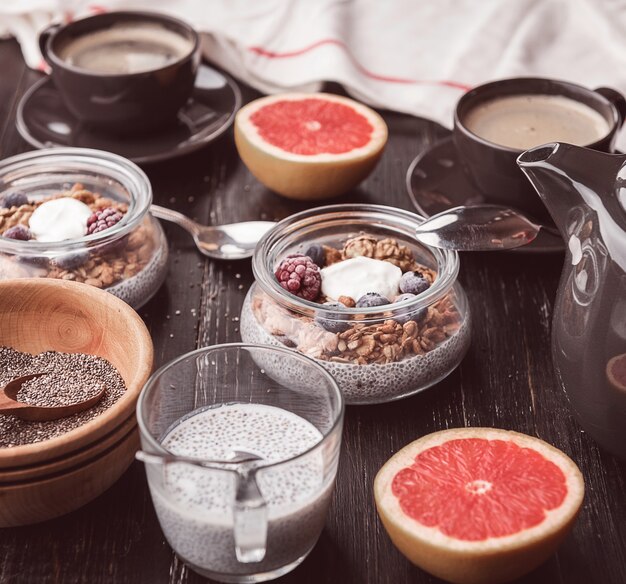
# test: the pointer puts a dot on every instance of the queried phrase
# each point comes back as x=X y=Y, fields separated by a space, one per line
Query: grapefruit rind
x=490 y=561
x=613 y=380
x=307 y=176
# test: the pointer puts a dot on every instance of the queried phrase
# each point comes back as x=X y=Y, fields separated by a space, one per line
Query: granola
x=103 y=266
x=397 y=334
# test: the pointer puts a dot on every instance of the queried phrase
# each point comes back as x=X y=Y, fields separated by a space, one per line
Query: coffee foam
x=526 y=121
x=108 y=62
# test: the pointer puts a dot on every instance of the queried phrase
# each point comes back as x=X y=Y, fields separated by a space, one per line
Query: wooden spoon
x=10 y=405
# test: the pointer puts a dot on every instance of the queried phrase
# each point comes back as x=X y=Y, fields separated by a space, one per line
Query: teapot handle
x=617 y=99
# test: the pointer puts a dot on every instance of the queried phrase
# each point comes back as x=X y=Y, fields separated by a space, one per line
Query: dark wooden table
x=506 y=380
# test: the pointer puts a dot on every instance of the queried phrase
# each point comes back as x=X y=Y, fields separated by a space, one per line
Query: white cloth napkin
x=413 y=56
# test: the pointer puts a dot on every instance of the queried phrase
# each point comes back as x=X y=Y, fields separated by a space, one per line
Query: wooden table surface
x=506 y=380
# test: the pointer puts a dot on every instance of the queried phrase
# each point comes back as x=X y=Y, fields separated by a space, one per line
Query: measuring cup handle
x=250 y=518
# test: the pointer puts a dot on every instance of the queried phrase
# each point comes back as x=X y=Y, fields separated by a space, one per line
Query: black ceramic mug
x=122 y=103
x=492 y=167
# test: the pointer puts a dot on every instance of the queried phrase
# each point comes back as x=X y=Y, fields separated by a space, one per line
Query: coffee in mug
x=526 y=121
x=126 y=48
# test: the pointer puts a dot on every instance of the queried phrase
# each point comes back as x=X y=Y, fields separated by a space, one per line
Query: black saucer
x=44 y=121
x=436 y=182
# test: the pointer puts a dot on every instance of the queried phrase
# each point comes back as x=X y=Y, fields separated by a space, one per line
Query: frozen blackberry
x=413 y=283
x=13 y=199
x=406 y=314
x=19 y=232
x=333 y=322
x=317 y=255
x=371 y=299
x=299 y=275
x=103 y=219
x=71 y=261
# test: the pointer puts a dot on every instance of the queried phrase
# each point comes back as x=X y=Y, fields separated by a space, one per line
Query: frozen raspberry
x=413 y=283
x=19 y=231
x=299 y=275
x=317 y=255
x=371 y=299
x=14 y=199
x=103 y=219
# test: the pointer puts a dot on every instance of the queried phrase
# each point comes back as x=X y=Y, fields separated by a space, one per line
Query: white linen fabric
x=413 y=56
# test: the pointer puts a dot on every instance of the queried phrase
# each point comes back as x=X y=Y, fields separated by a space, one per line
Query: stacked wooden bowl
x=53 y=477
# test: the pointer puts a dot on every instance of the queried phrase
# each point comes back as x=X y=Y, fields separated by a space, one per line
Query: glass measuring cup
x=241 y=444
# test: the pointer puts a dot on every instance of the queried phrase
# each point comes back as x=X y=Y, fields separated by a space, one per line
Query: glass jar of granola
x=349 y=286
x=81 y=215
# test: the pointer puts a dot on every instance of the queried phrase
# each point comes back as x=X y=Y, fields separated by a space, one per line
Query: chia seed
x=72 y=377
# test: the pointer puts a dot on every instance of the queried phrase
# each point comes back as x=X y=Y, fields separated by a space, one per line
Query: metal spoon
x=10 y=405
x=479 y=228
x=237 y=456
x=234 y=241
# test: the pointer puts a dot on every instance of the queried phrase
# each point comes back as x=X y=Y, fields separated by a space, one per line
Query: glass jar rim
x=447 y=260
x=142 y=410
x=105 y=164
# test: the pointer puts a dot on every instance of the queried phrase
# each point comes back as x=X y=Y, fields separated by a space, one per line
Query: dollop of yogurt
x=59 y=219
x=358 y=276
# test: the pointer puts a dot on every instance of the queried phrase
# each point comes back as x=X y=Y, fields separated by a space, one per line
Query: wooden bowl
x=39 y=314
x=71 y=461
x=26 y=502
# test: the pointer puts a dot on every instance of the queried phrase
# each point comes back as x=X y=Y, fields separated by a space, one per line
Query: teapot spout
x=565 y=176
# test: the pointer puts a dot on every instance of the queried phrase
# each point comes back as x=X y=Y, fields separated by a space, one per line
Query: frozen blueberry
x=285 y=340
x=404 y=315
x=371 y=299
x=413 y=283
x=332 y=321
x=39 y=261
x=13 y=199
x=19 y=231
x=71 y=261
x=317 y=255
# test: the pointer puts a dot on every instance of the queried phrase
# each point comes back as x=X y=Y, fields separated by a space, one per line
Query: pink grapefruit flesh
x=309 y=146
x=312 y=126
x=478 y=505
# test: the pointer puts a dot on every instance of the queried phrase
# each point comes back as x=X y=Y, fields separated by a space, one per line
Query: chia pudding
x=69 y=378
x=86 y=221
x=379 y=311
x=195 y=505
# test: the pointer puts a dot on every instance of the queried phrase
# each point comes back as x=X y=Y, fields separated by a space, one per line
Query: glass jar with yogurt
x=81 y=215
x=349 y=286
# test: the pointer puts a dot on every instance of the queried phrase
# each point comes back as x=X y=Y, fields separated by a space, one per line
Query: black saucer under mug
x=43 y=120
x=436 y=182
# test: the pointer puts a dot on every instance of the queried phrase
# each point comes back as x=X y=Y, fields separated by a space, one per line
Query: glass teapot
x=585 y=193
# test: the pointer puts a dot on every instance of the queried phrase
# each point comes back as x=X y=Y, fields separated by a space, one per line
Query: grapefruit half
x=478 y=505
x=309 y=146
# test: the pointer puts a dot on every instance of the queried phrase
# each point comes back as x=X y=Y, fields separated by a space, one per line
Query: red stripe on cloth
x=262 y=52
x=97 y=9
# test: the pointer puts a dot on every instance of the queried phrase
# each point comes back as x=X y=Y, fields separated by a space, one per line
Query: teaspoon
x=9 y=403
x=233 y=241
x=479 y=228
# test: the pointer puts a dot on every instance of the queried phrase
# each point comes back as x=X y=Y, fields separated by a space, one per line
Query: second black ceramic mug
x=492 y=168
x=126 y=102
